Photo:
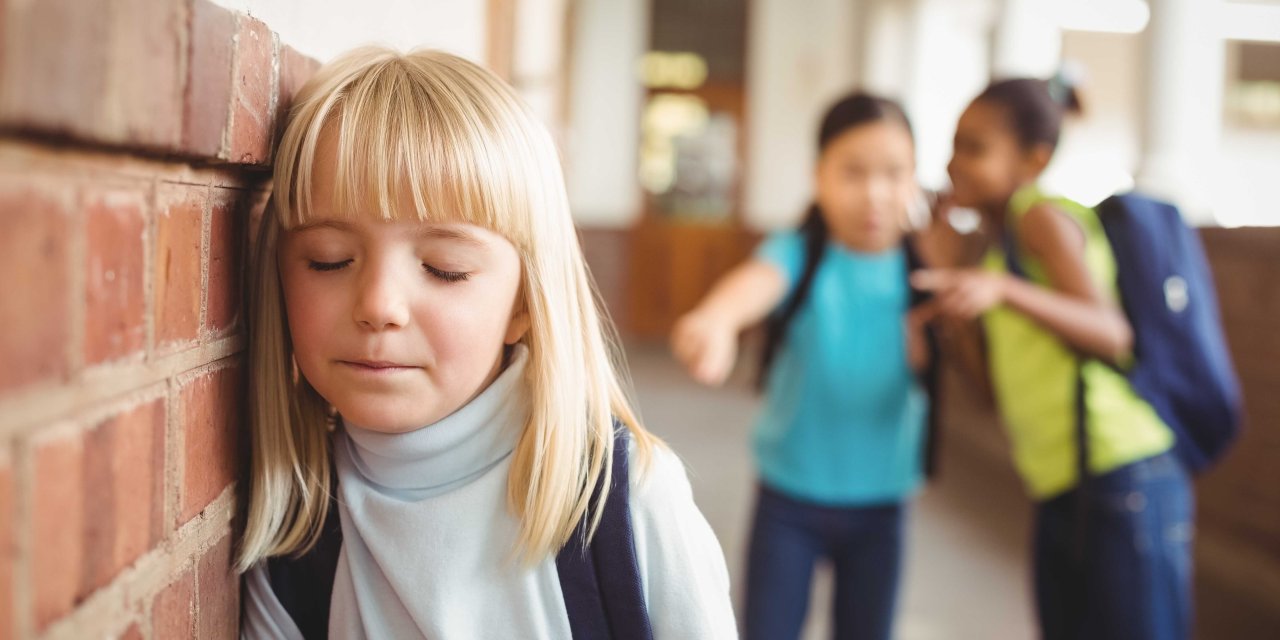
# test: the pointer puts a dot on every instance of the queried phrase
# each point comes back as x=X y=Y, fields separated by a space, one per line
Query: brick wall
x=1238 y=548
x=135 y=141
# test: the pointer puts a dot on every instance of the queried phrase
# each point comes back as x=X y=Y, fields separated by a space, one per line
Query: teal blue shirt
x=843 y=420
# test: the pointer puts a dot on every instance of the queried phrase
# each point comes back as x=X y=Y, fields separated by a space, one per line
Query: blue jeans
x=1131 y=576
x=788 y=537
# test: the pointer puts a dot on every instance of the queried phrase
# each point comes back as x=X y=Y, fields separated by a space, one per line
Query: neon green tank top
x=1033 y=375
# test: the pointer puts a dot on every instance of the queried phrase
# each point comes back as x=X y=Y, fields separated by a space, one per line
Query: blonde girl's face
x=865 y=182
x=397 y=323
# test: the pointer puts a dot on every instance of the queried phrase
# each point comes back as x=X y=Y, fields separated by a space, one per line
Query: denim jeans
x=788 y=537
x=1127 y=572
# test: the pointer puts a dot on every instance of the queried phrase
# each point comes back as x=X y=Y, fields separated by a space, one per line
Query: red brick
x=57 y=527
x=179 y=229
x=7 y=551
x=124 y=489
x=132 y=633
x=55 y=63
x=172 y=613
x=208 y=97
x=144 y=97
x=252 y=111
x=115 y=303
x=106 y=72
x=210 y=404
x=226 y=239
x=217 y=614
x=34 y=309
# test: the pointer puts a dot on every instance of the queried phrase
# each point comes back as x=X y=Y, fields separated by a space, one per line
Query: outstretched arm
x=706 y=338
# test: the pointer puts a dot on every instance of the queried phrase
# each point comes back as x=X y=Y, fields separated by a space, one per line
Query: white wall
x=1099 y=153
x=948 y=68
x=539 y=57
x=1026 y=41
x=801 y=58
x=604 y=111
x=325 y=28
x=932 y=55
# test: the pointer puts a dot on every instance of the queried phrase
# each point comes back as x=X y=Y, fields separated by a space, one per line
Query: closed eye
x=316 y=265
x=447 y=276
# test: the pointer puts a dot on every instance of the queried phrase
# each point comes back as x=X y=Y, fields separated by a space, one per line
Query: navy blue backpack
x=1181 y=363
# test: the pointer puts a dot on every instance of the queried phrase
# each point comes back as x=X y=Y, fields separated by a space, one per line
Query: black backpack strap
x=1080 y=435
x=304 y=584
x=814 y=232
x=930 y=378
x=601 y=583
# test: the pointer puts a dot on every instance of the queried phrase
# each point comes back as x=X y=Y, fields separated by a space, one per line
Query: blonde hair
x=459 y=140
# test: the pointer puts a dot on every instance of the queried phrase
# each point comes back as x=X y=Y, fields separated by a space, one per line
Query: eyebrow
x=324 y=224
x=443 y=233
x=447 y=233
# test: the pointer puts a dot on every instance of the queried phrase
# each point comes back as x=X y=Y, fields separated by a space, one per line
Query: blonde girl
x=437 y=422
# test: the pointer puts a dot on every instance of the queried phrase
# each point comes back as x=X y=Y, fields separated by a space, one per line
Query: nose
x=382 y=299
x=879 y=193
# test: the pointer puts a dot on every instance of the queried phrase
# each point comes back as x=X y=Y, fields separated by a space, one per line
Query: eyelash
x=447 y=276
x=328 y=266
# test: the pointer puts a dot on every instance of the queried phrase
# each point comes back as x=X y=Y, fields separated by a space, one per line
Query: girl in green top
x=1114 y=561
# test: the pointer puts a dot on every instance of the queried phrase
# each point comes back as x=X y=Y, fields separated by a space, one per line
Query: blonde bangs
x=406 y=147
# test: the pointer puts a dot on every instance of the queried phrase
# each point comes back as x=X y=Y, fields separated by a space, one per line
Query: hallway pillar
x=1182 y=117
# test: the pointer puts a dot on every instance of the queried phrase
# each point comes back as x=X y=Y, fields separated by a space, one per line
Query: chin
x=961 y=198
x=385 y=416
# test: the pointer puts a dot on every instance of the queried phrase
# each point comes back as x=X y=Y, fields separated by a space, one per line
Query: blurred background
x=136 y=148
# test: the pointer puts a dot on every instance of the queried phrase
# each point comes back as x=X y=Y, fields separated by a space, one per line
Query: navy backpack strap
x=582 y=600
x=601 y=584
x=304 y=585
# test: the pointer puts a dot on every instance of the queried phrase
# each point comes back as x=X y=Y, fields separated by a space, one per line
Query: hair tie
x=1064 y=82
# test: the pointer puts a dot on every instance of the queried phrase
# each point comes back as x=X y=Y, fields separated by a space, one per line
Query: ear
x=518 y=325
x=1037 y=159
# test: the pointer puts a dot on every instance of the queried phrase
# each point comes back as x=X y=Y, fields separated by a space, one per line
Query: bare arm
x=745 y=295
x=964 y=343
x=706 y=338
x=1071 y=307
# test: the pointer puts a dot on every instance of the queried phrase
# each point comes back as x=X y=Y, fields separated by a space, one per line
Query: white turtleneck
x=427 y=539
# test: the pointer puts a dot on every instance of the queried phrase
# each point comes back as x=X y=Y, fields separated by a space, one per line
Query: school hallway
x=966 y=574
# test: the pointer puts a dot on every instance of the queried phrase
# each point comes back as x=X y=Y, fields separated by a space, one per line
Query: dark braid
x=814 y=230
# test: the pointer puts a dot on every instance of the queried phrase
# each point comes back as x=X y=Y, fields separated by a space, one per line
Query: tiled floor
x=966 y=575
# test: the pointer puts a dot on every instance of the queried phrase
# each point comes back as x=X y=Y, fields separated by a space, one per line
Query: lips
x=377 y=365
